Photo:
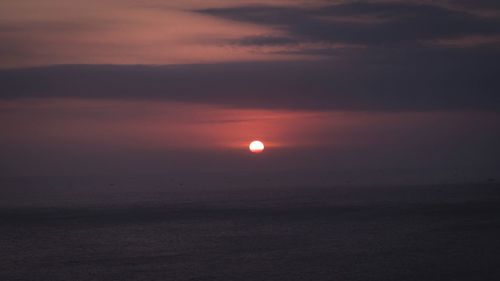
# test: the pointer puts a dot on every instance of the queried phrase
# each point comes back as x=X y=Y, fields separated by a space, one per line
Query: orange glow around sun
x=256 y=146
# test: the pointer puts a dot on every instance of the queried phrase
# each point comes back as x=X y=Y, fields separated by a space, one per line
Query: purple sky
x=356 y=91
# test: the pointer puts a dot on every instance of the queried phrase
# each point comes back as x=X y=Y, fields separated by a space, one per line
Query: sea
x=168 y=230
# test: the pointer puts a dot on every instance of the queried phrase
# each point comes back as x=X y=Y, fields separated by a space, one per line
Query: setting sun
x=256 y=146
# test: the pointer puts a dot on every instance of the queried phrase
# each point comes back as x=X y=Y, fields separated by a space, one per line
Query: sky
x=340 y=92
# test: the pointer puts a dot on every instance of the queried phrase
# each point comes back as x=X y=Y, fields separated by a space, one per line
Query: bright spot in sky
x=256 y=146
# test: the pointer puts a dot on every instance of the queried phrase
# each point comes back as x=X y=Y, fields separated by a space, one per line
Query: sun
x=256 y=146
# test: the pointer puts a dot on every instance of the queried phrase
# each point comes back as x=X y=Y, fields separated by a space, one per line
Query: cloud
x=372 y=80
x=477 y=4
x=385 y=56
x=69 y=32
x=369 y=23
x=264 y=41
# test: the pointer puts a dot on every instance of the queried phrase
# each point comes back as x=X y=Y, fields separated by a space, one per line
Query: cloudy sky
x=370 y=91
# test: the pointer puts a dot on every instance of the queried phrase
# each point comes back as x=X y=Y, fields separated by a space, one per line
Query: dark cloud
x=369 y=23
x=263 y=41
x=394 y=67
x=371 y=79
x=477 y=4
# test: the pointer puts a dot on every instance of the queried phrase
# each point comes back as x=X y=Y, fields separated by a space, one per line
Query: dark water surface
x=449 y=232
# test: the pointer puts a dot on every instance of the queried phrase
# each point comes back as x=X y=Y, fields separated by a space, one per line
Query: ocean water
x=441 y=232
